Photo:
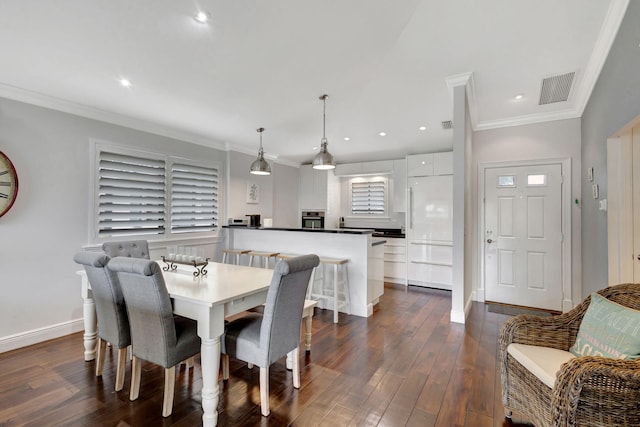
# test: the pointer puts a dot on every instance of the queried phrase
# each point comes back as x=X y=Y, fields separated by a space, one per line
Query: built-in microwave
x=313 y=219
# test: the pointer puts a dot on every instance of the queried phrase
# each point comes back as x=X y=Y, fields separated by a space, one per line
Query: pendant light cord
x=324 y=117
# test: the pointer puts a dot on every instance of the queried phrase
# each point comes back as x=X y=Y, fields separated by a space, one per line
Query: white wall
x=49 y=221
x=550 y=140
x=460 y=176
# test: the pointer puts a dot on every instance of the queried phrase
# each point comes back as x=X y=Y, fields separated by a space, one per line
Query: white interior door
x=523 y=235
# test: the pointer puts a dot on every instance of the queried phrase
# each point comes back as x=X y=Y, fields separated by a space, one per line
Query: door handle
x=491 y=241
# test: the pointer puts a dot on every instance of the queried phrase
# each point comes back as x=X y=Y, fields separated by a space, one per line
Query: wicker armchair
x=588 y=391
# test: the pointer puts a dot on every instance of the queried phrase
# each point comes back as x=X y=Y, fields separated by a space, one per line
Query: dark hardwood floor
x=405 y=365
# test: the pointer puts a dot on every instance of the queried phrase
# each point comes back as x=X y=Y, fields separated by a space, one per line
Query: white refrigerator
x=429 y=230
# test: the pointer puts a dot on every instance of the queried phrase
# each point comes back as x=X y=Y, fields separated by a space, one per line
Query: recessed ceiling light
x=518 y=97
x=125 y=82
x=202 y=17
x=382 y=134
x=315 y=148
x=346 y=138
x=422 y=128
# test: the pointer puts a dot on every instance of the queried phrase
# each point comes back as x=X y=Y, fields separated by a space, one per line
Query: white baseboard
x=461 y=316
x=34 y=336
x=457 y=316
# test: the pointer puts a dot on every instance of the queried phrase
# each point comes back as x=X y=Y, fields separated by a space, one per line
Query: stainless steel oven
x=313 y=219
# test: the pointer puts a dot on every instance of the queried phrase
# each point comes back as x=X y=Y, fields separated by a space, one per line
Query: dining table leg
x=90 y=321
x=210 y=362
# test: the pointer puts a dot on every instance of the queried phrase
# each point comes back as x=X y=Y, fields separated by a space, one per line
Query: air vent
x=556 y=88
x=447 y=124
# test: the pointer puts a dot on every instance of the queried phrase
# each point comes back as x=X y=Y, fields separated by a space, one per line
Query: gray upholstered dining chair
x=113 y=321
x=157 y=335
x=127 y=248
x=263 y=338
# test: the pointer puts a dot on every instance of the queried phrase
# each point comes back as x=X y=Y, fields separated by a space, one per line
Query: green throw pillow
x=608 y=329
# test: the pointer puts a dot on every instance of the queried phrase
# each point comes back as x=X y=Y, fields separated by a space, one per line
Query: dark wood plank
x=407 y=365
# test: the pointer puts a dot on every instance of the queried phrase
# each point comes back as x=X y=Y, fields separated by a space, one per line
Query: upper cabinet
x=430 y=164
x=314 y=193
x=382 y=167
x=443 y=163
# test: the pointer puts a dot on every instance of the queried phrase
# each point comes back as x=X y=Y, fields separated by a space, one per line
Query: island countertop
x=311 y=230
x=365 y=255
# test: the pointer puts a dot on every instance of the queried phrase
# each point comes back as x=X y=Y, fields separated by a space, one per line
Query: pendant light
x=324 y=160
x=260 y=166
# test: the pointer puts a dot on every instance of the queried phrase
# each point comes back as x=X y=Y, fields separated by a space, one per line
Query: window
x=537 y=180
x=131 y=199
x=140 y=193
x=194 y=198
x=368 y=196
x=506 y=181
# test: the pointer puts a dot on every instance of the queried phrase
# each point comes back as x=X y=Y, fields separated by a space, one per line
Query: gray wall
x=278 y=191
x=239 y=178
x=614 y=102
x=286 y=180
x=49 y=221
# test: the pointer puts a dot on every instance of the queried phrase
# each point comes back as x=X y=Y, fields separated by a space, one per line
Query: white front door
x=523 y=235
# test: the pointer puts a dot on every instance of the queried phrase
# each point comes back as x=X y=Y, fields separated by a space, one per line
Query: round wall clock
x=8 y=184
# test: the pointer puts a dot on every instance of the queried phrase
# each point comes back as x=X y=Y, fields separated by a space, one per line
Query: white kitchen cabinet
x=400 y=185
x=348 y=169
x=443 y=163
x=313 y=188
x=382 y=167
x=420 y=165
x=430 y=164
x=395 y=261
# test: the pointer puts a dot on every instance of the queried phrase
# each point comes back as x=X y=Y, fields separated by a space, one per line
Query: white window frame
x=99 y=146
x=369 y=215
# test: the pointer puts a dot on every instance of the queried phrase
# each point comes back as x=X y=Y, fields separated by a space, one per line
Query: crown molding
x=53 y=103
x=458 y=80
x=466 y=79
x=527 y=119
x=58 y=104
x=606 y=37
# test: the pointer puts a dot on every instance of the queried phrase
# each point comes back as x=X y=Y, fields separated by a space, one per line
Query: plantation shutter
x=368 y=198
x=131 y=195
x=194 y=198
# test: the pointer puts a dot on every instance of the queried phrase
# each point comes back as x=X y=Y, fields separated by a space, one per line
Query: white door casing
x=522 y=233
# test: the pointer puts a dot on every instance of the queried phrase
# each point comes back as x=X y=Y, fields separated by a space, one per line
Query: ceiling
x=384 y=64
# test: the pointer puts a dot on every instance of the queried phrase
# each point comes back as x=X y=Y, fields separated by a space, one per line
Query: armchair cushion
x=543 y=362
x=608 y=329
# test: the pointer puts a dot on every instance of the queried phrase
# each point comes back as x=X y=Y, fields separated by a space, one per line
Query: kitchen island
x=365 y=254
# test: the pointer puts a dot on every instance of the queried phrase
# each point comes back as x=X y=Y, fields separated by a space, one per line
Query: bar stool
x=340 y=286
x=236 y=253
x=286 y=256
x=264 y=256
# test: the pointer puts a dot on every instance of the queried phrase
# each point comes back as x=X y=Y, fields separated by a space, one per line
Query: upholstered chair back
x=280 y=329
x=129 y=248
x=113 y=321
x=153 y=329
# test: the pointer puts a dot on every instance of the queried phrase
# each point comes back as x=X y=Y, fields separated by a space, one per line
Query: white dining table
x=225 y=290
